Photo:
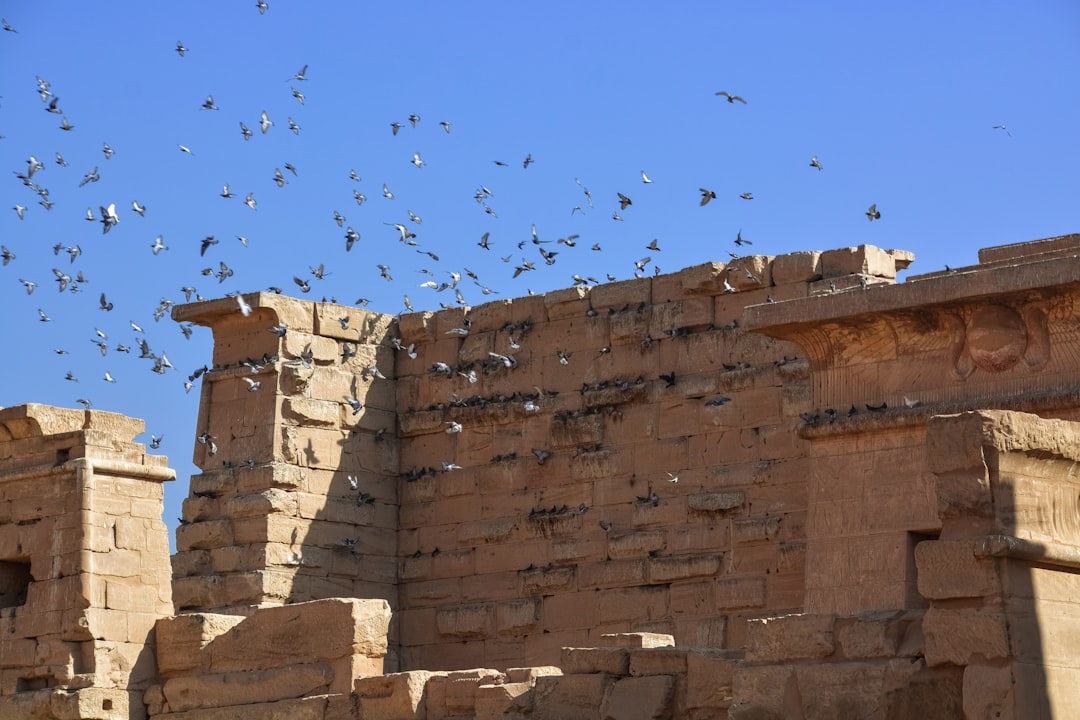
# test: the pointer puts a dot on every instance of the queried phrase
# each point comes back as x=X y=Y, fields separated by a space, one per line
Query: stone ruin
x=788 y=487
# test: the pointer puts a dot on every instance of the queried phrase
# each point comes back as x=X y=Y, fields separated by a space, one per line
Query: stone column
x=297 y=500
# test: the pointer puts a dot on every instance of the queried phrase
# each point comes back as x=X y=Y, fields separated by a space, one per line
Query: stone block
x=397 y=696
x=658 y=661
x=789 y=637
x=764 y=692
x=730 y=593
x=508 y=701
x=610 y=660
x=635 y=543
x=319 y=630
x=963 y=635
x=465 y=621
x=570 y=697
x=989 y=692
x=796 y=267
x=861 y=260
x=637 y=640
x=950 y=569
x=681 y=567
x=709 y=675
x=640 y=698
x=222 y=690
x=716 y=502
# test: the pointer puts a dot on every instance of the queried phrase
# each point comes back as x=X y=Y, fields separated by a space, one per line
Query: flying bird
x=300 y=76
x=645 y=178
x=815 y=163
x=180 y=49
x=706 y=196
x=265 y=122
x=208 y=104
x=623 y=201
x=730 y=98
x=873 y=213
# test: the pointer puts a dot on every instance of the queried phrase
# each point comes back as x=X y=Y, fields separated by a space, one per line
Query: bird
x=1002 y=127
x=244 y=131
x=413 y=119
x=265 y=122
x=730 y=98
x=7 y=27
x=445 y=126
x=262 y=5
x=706 y=196
x=455 y=427
x=90 y=177
x=253 y=385
x=206 y=243
x=623 y=201
x=394 y=127
x=141 y=209
x=717 y=402
x=301 y=75
x=245 y=308
x=528 y=161
x=298 y=95
x=65 y=125
x=180 y=49
x=747 y=196
x=541 y=455
x=20 y=211
x=653 y=245
x=279 y=179
x=208 y=104
x=29 y=285
x=108 y=151
x=873 y=214
x=109 y=378
x=6 y=255
x=108 y=217
x=672 y=478
x=416 y=160
x=225 y=192
x=739 y=239
x=155 y=441
x=386 y=192
x=645 y=178
x=250 y=201
x=104 y=304
x=815 y=163
x=304 y=285
x=294 y=126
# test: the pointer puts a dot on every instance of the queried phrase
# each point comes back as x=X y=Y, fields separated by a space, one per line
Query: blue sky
x=897 y=101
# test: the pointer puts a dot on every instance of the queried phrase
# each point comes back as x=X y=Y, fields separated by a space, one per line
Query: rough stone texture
x=84 y=566
x=788 y=487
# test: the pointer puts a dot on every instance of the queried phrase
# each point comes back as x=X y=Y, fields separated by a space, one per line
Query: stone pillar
x=297 y=499
x=84 y=563
x=1002 y=579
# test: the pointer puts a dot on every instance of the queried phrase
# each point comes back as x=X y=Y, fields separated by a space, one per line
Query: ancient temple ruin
x=799 y=490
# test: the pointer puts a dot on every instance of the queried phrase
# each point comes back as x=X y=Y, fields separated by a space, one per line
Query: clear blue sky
x=897 y=101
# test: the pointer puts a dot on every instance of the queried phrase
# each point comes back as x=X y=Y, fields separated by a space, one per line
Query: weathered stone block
x=962 y=635
x=644 y=698
x=570 y=697
x=789 y=637
x=397 y=696
x=950 y=569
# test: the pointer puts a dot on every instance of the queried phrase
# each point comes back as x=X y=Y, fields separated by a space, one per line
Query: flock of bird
x=534 y=249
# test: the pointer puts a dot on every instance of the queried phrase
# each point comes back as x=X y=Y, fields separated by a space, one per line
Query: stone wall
x=84 y=563
x=781 y=487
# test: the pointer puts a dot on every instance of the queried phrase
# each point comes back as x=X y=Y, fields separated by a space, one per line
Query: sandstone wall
x=84 y=563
